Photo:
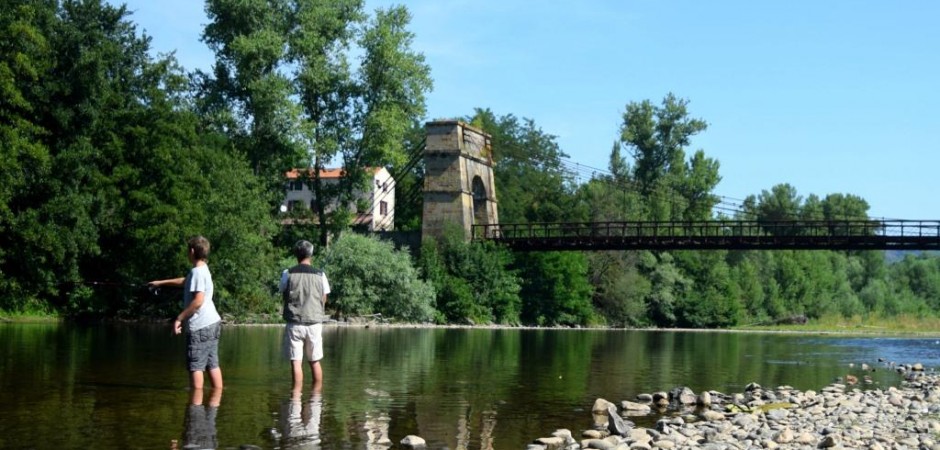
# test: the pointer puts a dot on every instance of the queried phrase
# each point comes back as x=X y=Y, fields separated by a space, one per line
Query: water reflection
x=376 y=430
x=465 y=429
x=456 y=388
x=199 y=430
x=300 y=421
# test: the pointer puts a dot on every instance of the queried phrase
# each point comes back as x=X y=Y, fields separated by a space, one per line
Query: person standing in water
x=199 y=318
x=304 y=290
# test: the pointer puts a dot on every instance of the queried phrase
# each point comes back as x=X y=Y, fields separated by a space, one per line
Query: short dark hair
x=200 y=247
x=303 y=249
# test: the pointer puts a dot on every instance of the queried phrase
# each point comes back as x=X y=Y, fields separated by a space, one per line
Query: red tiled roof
x=328 y=173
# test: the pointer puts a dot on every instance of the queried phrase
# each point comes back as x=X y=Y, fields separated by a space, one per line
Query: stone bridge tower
x=459 y=189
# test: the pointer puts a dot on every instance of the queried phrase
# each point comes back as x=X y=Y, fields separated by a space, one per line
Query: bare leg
x=196 y=380
x=317 y=372
x=297 y=373
x=215 y=375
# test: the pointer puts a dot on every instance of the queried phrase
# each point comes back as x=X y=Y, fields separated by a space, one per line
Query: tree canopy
x=110 y=157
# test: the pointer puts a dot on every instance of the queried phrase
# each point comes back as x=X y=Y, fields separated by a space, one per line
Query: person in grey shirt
x=203 y=325
x=304 y=290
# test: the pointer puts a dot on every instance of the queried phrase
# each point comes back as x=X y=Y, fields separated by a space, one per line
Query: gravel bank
x=846 y=414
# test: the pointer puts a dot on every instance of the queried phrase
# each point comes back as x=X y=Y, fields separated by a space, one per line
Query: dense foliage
x=372 y=277
x=110 y=170
x=474 y=282
x=657 y=180
x=284 y=87
x=110 y=158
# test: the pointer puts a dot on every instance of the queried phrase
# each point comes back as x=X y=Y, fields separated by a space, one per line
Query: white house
x=379 y=214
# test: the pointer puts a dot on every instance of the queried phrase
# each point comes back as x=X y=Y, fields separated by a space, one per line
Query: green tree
x=555 y=290
x=474 y=281
x=89 y=56
x=656 y=137
x=781 y=203
x=532 y=182
x=695 y=185
x=750 y=290
x=844 y=207
x=369 y=276
x=713 y=300
x=24 y=156
x=409 y=183
x=134 y=173
x=248 y=94
x=620 y=290
x=920 y=275
x=287 y=63
x=669 y=286
x=394 y=81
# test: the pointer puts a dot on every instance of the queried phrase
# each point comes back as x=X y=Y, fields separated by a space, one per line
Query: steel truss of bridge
x=716 y=235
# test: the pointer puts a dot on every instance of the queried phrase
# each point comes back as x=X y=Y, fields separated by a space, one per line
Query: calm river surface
x=71 y=386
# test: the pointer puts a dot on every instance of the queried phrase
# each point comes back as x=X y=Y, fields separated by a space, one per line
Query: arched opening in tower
x=479 y=201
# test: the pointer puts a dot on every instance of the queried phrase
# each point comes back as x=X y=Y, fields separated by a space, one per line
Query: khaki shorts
x=301 y=340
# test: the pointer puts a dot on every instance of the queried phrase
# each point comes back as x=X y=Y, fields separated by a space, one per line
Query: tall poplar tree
x=249 y=93
x=656 y=137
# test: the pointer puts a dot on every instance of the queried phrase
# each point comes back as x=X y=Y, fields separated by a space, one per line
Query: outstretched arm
x=171 y=282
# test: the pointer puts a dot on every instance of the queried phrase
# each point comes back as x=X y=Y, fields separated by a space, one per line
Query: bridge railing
x=920 y=228
x=720 y=234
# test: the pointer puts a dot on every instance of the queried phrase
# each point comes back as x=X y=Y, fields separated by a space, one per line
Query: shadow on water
x=116 y=386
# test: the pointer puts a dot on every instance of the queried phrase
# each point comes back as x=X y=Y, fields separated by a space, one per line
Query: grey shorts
x=202 y=348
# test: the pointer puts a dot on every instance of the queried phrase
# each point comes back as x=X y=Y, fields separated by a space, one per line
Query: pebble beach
x=849 y=413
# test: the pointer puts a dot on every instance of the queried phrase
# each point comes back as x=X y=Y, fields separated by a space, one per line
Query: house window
x=383 y=208
x=297 y=185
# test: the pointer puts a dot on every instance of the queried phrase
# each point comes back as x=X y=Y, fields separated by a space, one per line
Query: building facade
x=378 y=197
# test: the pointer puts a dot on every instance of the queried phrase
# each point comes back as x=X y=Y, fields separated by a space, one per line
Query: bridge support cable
x=415 y=155
x=577 y=170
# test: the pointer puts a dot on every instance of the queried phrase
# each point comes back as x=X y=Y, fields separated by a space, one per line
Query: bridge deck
x=719 y=234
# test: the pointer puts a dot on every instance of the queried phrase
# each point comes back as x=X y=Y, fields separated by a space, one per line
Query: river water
x=125 y=386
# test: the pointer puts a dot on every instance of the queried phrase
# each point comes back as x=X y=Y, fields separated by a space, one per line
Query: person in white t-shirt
x=199 y=318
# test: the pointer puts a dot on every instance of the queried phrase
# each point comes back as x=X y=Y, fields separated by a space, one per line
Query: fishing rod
x=154 y=290
x=106 y=283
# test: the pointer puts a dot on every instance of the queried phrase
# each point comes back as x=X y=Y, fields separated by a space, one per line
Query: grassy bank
x=28 y=316
x=897 y=325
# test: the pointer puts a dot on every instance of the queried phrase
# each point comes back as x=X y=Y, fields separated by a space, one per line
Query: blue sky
x=834 y=96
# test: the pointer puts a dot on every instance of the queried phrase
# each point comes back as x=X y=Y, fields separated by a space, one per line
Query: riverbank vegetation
x=110 y=157
x=869 y=324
